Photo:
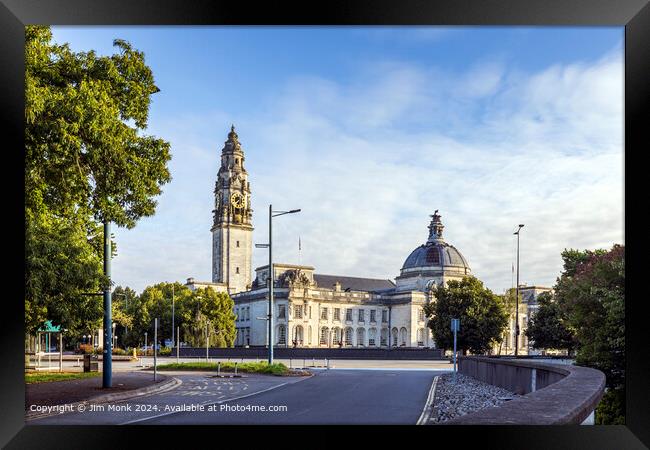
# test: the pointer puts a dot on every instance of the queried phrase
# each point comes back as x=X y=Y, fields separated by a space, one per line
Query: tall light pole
x=107 y=365
x=271 y=277
x=521 y=225
x=173 y=328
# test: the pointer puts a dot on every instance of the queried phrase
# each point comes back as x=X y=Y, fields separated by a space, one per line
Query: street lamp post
x=173 y=327
x=107 y=369
x=517 y=295
x=272 y=275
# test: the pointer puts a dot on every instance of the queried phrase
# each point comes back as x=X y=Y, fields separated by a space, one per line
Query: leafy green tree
x=215 y=309
x=591 y=292
x=87 y=160
x=482 y=315
x=593 y=298
x=547 y=328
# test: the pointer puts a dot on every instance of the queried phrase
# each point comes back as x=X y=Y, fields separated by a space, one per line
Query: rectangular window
x=373 y=316
x=310 y=311
x=348 y=315
x=323 y=313
x=337 y=314
x=298 y=311
x=421 y=314
x=323 y=336
x=361 y=318
x=384 y=317
x=282 y=311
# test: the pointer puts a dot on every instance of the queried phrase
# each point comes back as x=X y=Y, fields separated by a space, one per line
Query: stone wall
x=553 y=394
x=331 y=353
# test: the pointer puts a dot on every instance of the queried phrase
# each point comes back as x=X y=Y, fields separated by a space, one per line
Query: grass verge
x=40 y=377
x=247 y=367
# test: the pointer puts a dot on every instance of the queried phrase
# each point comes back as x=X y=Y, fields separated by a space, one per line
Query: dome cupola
x=433 y=262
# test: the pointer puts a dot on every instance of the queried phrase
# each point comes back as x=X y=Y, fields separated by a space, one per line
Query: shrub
x=85 y=349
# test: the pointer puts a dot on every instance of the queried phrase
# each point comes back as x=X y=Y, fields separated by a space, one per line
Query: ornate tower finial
x=232 y=136
x=435 y=228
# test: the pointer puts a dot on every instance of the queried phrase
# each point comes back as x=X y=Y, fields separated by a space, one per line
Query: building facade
x=528 y=306
x=318 y=310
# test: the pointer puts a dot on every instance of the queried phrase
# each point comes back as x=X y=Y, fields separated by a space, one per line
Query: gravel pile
x=465 y=396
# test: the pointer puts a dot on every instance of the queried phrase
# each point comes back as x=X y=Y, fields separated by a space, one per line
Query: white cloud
x=368 y=162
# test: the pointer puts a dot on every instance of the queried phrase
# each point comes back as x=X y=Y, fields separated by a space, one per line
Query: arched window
x=336 y=336
x=421 y=337
x=348 y=336
x=394 y=336
x=403 y=336
x=384 y=337
x=361 y=337
x=372 y=337
x=324 y=335
x=309 y=335
x=297 y=335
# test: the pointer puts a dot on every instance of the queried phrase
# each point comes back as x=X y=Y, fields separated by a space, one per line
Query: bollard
x=313 y=362
x=235 y=368
x=328 y=363
x=290 y=363
x=303 y=363
x=218 y=368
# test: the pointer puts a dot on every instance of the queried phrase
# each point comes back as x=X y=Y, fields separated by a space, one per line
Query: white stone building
x=311 y=309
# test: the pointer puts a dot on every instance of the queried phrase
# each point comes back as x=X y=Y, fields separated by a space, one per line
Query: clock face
x=237 y=200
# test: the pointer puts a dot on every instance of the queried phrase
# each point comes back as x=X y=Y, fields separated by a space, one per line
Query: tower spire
x=435 y=227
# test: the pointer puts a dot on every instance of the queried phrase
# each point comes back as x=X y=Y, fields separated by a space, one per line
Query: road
x=330 y=397
x=348 y=396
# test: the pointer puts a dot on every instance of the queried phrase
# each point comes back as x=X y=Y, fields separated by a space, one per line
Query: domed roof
x=435 y=254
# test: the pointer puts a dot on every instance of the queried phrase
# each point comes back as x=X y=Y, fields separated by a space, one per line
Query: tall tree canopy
x=193 y=310
x=547 y=328
x=482 y=315
x=87 y=160
x=591 y=293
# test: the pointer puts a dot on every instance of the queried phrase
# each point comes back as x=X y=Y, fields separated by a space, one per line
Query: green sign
x=49 y=328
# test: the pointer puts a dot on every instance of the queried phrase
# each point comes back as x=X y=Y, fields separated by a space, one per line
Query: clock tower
x=232 y=232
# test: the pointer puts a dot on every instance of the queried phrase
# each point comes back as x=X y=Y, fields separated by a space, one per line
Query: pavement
x=71 y=391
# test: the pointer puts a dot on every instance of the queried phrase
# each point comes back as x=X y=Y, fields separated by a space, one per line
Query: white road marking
x=426 y=411
x=218 y=402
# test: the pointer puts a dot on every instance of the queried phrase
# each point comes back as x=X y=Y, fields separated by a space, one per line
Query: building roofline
x=294 y=266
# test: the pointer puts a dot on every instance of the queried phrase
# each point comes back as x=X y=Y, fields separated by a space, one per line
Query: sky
x=369 y=130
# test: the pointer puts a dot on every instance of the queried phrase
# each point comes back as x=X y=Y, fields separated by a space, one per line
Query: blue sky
x=370 y=129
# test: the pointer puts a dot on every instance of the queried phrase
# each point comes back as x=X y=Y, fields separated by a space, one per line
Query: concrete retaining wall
x=552 y=394
x=331 y=353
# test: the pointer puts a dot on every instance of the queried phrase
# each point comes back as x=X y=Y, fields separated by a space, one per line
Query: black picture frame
x=634 y=15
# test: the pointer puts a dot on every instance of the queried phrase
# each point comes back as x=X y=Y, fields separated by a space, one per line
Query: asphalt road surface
x=329 y=397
